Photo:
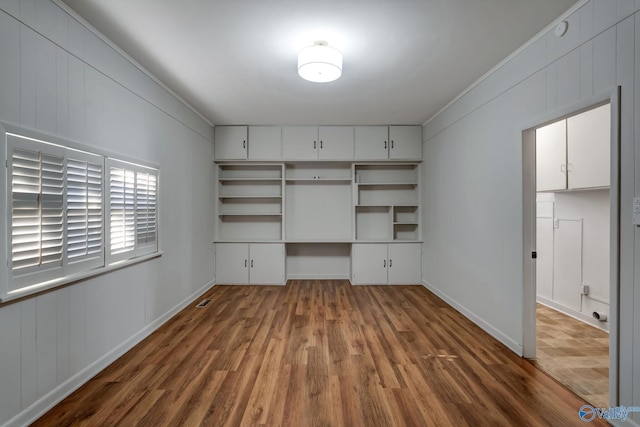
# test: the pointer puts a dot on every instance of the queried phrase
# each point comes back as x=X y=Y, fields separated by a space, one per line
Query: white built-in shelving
x=318 y=202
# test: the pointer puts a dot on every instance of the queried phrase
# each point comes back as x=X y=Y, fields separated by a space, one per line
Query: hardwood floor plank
x=321 y=353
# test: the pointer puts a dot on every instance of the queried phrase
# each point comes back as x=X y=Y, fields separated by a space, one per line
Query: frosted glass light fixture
x=320 y=63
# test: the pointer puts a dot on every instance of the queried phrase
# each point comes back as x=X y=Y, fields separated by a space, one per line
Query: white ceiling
x=235 y=60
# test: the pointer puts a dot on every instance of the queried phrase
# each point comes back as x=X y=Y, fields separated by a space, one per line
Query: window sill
x=38 y=288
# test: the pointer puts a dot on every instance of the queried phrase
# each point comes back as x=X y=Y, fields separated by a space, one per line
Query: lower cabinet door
x=266 y=263
x=405 y=261
x=369 y=263
x=232 y=263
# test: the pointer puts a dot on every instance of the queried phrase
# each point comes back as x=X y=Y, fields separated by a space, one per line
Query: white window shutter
x=36 y=174
x=84 y=221
x=146 y=212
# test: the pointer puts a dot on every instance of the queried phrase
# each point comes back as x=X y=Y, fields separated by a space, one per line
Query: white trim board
x=485 y=326
x=55 y=396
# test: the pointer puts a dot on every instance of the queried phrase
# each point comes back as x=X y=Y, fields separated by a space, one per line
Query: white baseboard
x=572 y=313
x=55 y=396
x=488 y=328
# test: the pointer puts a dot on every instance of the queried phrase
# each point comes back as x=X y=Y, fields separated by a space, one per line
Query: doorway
x=570 y=187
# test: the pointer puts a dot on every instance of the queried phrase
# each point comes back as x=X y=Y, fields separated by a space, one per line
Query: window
x=133 y=218
x=73 y=213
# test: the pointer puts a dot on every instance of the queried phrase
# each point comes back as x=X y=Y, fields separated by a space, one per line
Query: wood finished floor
x=319 y=353
x=574 y=353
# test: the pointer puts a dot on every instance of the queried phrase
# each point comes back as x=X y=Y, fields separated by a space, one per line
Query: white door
x=265 y=143
x=405 y=263
x=567 y=263
x=551 y=157
x=369 y=263
x=336 y=142
x=232 y=263
x=266 y=263
x=300 y=143
x=371 y=142
x=589 y=147
x=405 y=142
x=230 y=142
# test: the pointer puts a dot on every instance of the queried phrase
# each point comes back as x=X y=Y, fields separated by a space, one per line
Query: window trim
x=8 y=290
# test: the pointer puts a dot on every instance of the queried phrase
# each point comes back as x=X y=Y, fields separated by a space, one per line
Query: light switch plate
x=636 y=210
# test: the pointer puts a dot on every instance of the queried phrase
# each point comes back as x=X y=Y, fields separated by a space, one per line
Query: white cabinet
x=589 y=148
x=382 y=263
x=317 y=143
x=248 y=142
x=405 y=263
x=405 y=142
x=574 y=153
x=265 y=143
x=388 y=142
x=250 y=263
x=230 y=142
x=551 y=157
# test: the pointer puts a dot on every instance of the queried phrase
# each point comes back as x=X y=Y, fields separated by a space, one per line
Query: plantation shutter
x=122 y=210
x=37 y=206
x=146 y=211
x=84 y=208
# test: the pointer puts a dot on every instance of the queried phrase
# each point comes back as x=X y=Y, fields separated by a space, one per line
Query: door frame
x=529 y=229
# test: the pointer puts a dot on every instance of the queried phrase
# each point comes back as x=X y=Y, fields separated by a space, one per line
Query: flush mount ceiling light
x=320 y=63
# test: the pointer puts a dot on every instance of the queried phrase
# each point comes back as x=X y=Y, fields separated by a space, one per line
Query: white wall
x=58 y=77
x=473 y=215
x=590 y=210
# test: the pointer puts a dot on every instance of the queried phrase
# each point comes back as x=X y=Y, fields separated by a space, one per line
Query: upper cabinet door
x=336 y=142
x=405 y=142
x=589 y=148
x=265 y=143
x=300 y=143
x=230 y=142
x=551 y=157
x=371 y=142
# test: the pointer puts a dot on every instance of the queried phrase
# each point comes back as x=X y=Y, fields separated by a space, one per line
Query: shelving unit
x=318 y=201
x=387 y=202
x=250 y=202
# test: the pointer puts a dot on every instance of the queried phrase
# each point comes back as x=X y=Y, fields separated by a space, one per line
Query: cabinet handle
x=390 y=263
x=321 y=145
x=245 y=263
x=385 y=145
x=570 y=167
x=384 y=263
x=392 y=144
x=314 y=145
x=251 y=263
x=562 y=168
x=244 y=144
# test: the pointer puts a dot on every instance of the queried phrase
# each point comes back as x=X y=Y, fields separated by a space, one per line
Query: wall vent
x=203 y=303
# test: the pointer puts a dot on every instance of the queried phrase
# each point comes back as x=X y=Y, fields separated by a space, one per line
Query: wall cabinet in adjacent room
x=388 y=142
x=382 y=263
x=250 y=263
x=574 y=153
